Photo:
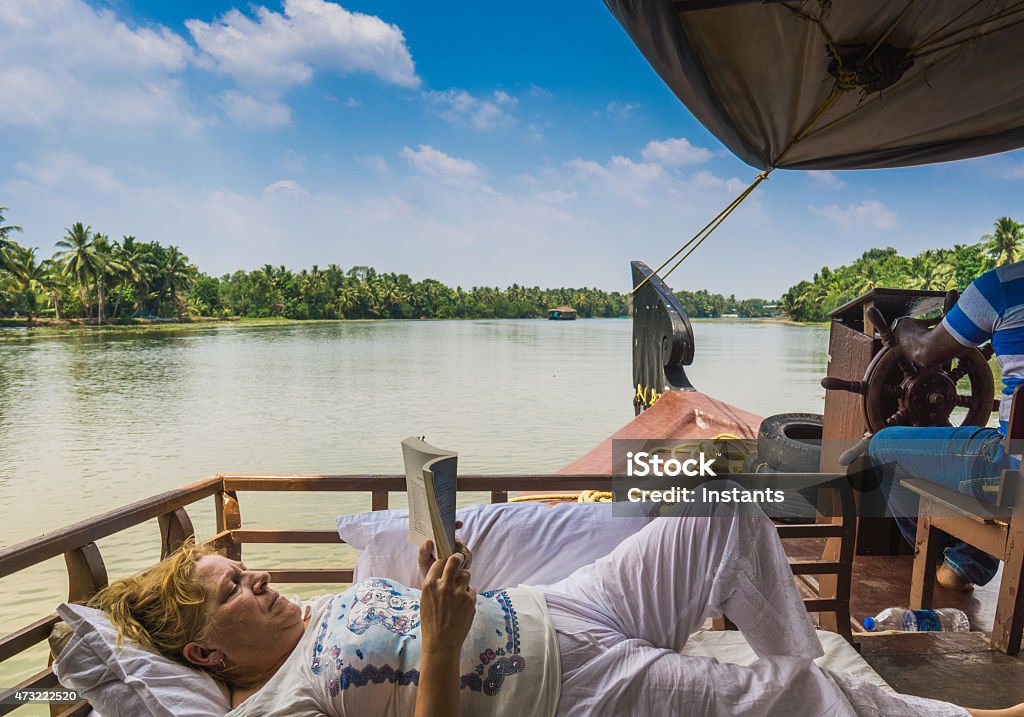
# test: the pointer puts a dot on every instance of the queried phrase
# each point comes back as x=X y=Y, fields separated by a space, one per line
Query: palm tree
x=348 y=299
x=82 y=262
x=54 y=283
x=30 y=279
x=6 y=245
x=108 y=269
x=931 y=272
x=1004 y=243
x=178 y=275
x=137 y=268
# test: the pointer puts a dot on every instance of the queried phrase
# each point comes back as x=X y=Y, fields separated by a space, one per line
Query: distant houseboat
x=562 y=313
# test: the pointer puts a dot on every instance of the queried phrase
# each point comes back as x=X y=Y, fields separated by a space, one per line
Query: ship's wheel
x=896 y=392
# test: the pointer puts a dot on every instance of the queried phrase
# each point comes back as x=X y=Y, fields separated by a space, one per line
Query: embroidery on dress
x=377 y=602
x=351 y=677
x=318 y=646
x=497 y=664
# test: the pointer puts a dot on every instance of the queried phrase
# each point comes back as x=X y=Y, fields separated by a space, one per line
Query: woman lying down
x=603 y=641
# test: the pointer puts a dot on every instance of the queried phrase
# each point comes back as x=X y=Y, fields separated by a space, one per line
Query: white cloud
x=711 y=180
x=62 y=169
x=464 y=109
x=826 y=179
x=870 y=212
x=285 y=188
x=67 y=63
x=1012 y=171
x=619 y=178
x=435 y=163
x=675 y=152
x=252 y=112
x=621 y=110
x=276 y=51
x=293 y=161
x=555 y=196
x=376 y=164
x=533 y=134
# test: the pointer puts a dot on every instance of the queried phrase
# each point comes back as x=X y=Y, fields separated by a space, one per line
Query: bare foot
x=1015 y=711
x=951 y=580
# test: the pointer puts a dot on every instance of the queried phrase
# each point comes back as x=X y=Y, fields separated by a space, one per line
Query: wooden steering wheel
x=898 y=393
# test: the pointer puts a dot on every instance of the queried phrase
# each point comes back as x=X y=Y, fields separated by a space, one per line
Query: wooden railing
x=87 y=572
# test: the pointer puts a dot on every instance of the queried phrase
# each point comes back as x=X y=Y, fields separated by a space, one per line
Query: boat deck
x=960 y=668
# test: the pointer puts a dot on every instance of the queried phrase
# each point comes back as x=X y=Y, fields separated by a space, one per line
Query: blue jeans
x=967 y=459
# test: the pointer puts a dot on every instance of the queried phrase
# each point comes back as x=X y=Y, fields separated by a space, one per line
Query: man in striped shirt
x=968 y=459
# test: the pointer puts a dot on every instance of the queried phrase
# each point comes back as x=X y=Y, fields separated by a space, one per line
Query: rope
x=705 y=230
x=543 y=497
x=725 y=215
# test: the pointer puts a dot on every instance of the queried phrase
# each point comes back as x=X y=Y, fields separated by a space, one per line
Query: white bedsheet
x=729 y=646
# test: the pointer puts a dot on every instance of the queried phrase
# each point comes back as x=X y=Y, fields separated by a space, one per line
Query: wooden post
x=926 y=555
x=175 y=529
x=87 y=574
x=1009 y=620
x=499 y=496
x=379 y=500
x=229 y=517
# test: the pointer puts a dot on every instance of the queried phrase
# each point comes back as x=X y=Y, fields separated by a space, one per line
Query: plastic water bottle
x=947 y=619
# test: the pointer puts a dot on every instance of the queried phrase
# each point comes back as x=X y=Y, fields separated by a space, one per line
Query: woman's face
x=248 y=626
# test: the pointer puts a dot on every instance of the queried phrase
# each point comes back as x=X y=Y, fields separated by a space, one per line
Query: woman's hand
x=447 y=606
x=447 y=609
x=426 y=556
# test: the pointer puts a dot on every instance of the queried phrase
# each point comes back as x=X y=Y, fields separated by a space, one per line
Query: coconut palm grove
x=91 y=278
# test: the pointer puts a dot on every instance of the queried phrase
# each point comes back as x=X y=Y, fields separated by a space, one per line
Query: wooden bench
x=996 y=528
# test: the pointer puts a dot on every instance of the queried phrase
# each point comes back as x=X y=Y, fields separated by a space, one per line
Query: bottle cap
x=870 y=623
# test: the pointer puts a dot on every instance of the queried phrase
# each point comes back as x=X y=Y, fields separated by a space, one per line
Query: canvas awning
x=846 y=84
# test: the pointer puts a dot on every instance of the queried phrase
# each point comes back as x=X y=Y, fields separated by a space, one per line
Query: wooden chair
x=997 y=528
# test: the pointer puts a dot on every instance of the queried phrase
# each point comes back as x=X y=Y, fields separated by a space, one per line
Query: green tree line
x=702 y=304
x=93 y=277
x=933 y=269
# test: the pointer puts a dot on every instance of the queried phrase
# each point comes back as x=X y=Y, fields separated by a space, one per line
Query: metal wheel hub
x=930 y=395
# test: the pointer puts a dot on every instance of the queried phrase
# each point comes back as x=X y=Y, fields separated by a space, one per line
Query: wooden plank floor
x=960 y=668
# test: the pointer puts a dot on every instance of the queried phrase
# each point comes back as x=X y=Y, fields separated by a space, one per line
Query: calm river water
x=92 y=422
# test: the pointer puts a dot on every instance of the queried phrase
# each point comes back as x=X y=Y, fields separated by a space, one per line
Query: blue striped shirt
x=992 y=307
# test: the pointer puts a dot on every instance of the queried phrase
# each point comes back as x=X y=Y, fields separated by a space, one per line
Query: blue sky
x=474 y=143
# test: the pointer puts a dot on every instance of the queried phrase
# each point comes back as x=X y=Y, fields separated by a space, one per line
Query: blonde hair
x=162 y=608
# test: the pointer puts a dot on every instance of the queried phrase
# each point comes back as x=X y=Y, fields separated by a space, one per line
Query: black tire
x=791 y=442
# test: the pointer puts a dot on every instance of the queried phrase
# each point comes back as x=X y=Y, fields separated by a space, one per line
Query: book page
x=420 y=524
x=426 y=520
x=440 y=476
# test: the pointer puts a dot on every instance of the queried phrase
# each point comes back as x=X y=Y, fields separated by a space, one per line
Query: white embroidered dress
x=360 y=655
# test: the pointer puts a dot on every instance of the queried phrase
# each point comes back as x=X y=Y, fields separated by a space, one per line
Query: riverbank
x=14 y=328
x=45 y=325
x=48 y=326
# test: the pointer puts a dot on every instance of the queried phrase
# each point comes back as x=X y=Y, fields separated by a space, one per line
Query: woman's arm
x=447 y=608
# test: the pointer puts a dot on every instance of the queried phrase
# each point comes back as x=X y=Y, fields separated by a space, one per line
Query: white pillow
x=129 y=680
x=512 y=543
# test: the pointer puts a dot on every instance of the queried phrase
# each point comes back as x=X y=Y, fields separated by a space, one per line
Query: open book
x=430 y=482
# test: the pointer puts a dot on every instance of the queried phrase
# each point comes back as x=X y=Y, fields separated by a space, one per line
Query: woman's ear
x=202 y=656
